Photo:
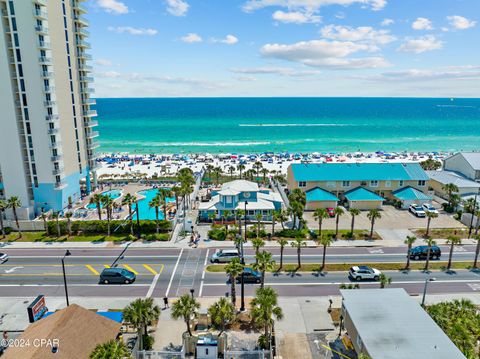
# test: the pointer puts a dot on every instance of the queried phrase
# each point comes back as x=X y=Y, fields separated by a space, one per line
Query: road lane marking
x=474 y=286
x=106 y=266
x=154 y=282
x=11 y=270
x=173 y=273
x=130 y=269
x=74 y=285
x=348 y=282
x=203 y=274
x=93 y=270
x=150 y=269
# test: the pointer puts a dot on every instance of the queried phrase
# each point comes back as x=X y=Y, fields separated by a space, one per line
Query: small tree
x=225 y=215
x=113 y=349
x=129 y=200
x=43 y=216
x=222 y=313
x=353 y=212
x=430 y=216
x=258 y=217
x=430 y=243
x=409 y=242
x=185 y=308
x=282 y=242
x=453 y=241
x=234 y=269
x=373 y=215
x=325 y=241
x=264 y=312
x=96 y=200
x=298 y=243
x=257 y=243
x=56 y=216
x=384 y=280
x=338 y=211
x=141 y=313
x=320 y=214
x=14 y=203
x=264 y=262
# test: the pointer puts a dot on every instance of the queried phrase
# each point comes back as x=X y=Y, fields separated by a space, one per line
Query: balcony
x=46 y=74
x=90 y=101
x=55 y=144
x=91 y=123
x=86 y=89
x=81 y=31
x=83 y=44
x=53 y=131
x=92 y=134
x=56 y=158
x=48 y=89
x=93 y=164
x=86 y=79
x=5 y=12
x=84 y=55
x=11 y=59
x=41 y=29
x=43 y=45
x=90 y=113
x=45 y=60
x=92 y=144
x=52 y=117
x=50 y=103
x=58 y=171
x=80 y=9
x=41 y=14
x=81 y=20
x=60 y=185
x=40 y=2
x=85 y=67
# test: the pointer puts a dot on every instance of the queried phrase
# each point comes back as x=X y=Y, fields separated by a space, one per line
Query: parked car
x=428 y=207
x=359 y=273
x=249 y=276
x=331 y=212
x=224 y=256
x=117 y=276
x=416 y=210
x=3 y=257
x=420 y=252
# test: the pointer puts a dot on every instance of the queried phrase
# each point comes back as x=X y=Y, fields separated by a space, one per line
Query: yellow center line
x=327 y=347
x=106 y=266
x=130 y=269
x=161 y=269
x=150 y=269
x=93 y=270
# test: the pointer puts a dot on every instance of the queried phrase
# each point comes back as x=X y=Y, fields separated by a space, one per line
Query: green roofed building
x=319 y=198
x=410 y=195
x=363 y=198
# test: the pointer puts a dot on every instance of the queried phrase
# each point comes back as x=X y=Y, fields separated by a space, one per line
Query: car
x=359 y=273
x=3 y=257
x=224 y=256
x=427 y=207
x=420 y=252
x=331 y=212
x=416 y=210
x=117 y=276
x=249 y=276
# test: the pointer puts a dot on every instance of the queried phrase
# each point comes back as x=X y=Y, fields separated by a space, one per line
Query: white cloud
x=246 y=78
x=387 y=22
x=103 y=62
x=177 y=7
x=422 y=23
x=295 y=17
x=365 y=34
x=108 y=74
x=191 y=37
x=431 y=75
x=421 y=44
x=460 y=22
x=310 y=5
x=113 y=6
x=228 y=40
x=270 y=70
x=133 y=30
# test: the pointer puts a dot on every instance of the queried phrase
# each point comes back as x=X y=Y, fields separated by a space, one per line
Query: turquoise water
x=144 y=211
x=245 y=125
x=113 y=194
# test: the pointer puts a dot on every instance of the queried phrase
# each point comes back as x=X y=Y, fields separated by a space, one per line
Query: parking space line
x=130 y=269
x=93 y=270
x=150 y=269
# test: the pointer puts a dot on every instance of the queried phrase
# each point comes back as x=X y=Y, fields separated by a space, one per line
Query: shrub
x=8 y=230
x=100 y=227
x=148 y=342
x=253 y=233
x=291 y=233
x=158 y=237
x=217 y=234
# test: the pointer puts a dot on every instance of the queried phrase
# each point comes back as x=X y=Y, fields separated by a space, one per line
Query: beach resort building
x=47 y=140
x=438 y=179
x=359 y=185
x=241 y=194
x=465 y=163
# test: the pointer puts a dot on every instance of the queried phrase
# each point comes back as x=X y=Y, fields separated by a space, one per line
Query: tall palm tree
x=239 y=213
x=353 y=212
x=282 y=218
x=231 y=169
x=141 y=313
x=107 y=203
x=177 y=191
x=384 y=280
x=264 y=172
x=56 y=217
x=430 y=243
x=409 y=242
x=274 y=220
x=477 y=250
x=240 y=168
x=208 y=169
x=156 y=203
x=373 y=215
x=217 y=171
x=264 y=262
x=96 y=199
x=14 y=203
x=265 y=310
x=259 y=218
x=320 y=214
x=68 y=216
x=282 y=242
x=296 y=209
x=163 y=194
x=225 y=215
x=3 y=207
x=257 y=243
x=298 y=243
x=129 y=200
x=338 y=211
x=185 y=308
x=222 y=312
x=430 y=216
x=257 y=166
x=113 y=349
x=325 y=241
x=453 y=241
x=234 y=269
x=452 y=194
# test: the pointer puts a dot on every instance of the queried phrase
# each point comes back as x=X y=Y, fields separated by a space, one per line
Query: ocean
x=246 y=125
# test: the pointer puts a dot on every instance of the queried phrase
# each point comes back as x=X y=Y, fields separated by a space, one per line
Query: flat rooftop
x=392 y=325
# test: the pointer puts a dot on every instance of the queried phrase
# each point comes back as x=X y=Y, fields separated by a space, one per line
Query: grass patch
x=41 y=237
x=358 y=234
x=442 y=233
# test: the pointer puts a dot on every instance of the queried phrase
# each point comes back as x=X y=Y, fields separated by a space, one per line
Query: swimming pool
x=144 y=211
x=113 y=194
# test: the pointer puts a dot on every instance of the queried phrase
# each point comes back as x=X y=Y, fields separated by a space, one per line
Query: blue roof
x=318 y=194
x=410 y=193
x=358 y=172
x=362 y=194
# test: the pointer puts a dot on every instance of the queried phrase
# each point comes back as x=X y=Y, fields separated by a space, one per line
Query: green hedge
x=291 y=233
x=253 y=233
x=100 y=227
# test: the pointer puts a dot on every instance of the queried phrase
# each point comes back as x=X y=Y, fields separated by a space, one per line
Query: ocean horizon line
x=291 y=97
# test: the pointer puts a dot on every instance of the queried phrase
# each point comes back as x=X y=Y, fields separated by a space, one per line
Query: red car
x=330 y=212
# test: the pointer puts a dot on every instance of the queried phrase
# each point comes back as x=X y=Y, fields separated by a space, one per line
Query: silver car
x=359 y=273
x=3 y=257
x=224 y=256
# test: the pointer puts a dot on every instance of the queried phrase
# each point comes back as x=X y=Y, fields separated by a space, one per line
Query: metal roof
x=411 y=194
x=241 y=186
x=358 y=172
x=473 y=158
x=392 y=325
x=319 y=194
x=362 y=194
x=457 y=179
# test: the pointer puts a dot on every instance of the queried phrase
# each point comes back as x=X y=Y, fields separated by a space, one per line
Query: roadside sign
x=37 y=309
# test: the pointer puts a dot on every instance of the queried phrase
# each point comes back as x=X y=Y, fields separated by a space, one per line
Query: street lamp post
x=242 y=306
x=425 y=289
x=67 y=253
x=191 y=292
x=473 y=214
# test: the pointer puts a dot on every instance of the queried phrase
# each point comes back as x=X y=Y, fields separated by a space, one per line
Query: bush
x=8 y=230
x=158 y=237
x=291 y=233
x=148 y=342
x=217 y=234
x=253 y=233
x=100 y=227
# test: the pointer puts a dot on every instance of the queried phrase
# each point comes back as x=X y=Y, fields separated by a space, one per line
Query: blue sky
x=176 y=48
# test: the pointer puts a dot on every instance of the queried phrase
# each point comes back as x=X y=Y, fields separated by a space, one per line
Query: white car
x=416 y=210
x=427 y=207
x=3 y=257
x=359 y=273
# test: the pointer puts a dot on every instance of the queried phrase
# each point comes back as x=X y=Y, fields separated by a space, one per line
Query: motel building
x=359 y=185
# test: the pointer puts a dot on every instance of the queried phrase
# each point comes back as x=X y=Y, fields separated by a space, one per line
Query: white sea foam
x=294 y=124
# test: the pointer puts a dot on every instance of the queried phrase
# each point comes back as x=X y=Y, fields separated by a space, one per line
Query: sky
x=269 y=48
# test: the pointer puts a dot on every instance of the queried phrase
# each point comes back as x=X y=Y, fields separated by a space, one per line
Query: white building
x=46 y=135
x=466 y=163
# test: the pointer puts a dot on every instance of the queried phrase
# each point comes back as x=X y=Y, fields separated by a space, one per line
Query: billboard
x=37 y=309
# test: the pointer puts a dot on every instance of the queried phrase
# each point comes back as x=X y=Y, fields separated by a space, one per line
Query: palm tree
x=430 y=243
x=231 y=169
x=477 y=250
x=3 y=207
x=264 y=172
x=430 y=216
x=217 y=171
x=282 y=242
x=68 y=216
x=452 y=195
x=274 y=219
x=353 y=212
x=141 y=313
x=107 y=203
x=96 y=199
x=257 y=166
x=163 y=194
x=409 y=242
x=177 y=191
x=129 y=200
x=384 y=280
x=44 y=218
x=259 y=218
x=373 y=215
x=155 y=203
x=257 y=243
x=239 y=213
x=234 y=269
x=14 y=203
x=222 y=313
x=452 y=240
x=320 y=214
x=113 y=349
x=211 y=216
x=265 y=310
x=298 y=243
x=56 y=216
x=296 y=209
x=282 y=218
x=209 y=168
x=264 y=262
x=338 y=211
x=185 y=308
x=325 y=241
x=240 y=168
x=225 y=215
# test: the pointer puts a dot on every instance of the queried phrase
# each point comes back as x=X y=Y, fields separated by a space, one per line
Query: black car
x=117 y=276
x=249 y=276
x=420 y=252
